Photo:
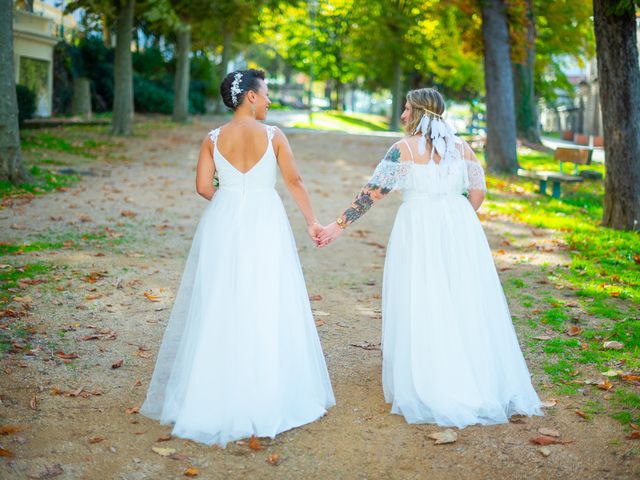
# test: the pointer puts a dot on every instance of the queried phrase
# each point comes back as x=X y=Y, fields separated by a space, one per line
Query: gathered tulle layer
x=240 y=355
x=450 y=352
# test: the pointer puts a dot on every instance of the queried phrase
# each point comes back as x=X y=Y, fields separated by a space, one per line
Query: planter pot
x=567 y=135
x=581 y=139
x=598 y=141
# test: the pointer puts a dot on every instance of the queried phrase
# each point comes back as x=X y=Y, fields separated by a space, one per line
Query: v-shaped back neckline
x=216 y=149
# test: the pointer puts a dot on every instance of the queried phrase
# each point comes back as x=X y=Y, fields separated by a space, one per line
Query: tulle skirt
x=240 y=355
x=450 y=352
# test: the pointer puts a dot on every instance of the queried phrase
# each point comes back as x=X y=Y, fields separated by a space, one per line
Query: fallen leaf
x=164 y=452
x=444 y=437
x=5 y=453
x=630 y=378
x=613 y=373
x=96 y=439
x=635 y=435
x=23 y=299
x=151 y=298
x=366 y=345
x=128 y=213
x=549 y=432
x=192 y=472
x=543 y=337
x=545 y=451
x=552 y=402
x=133 y=410
x=319 y=323
x=33 y=403
x=254 y=443
x=10 y=429
x=546 y=440
x=274 y=460
x=164 y=438
x=117 y=364
x=612 y=345
x=315 y=298
x=67 y=356
x=320 y=313
x=573 y=330
x=580 y=413
x=606 y=385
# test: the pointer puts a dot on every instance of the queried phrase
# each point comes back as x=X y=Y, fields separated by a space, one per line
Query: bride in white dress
x=450 y=352
x=240 y=355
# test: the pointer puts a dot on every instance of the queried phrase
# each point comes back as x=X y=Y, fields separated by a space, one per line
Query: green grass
x=603 y=279
x=49 y=141
x=346 y=122
x=43 y=181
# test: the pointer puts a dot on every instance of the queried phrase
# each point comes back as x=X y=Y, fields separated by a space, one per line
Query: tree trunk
x=396 y=95
x=106 y=33
x=227 y=38
x=181 y=86
x=11 y=162
x=81 y=103
x=619 y=82
x=122 y=121
x=523 y=74
x=501 y=155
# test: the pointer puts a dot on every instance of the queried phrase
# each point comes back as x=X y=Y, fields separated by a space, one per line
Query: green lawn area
x=346 y=122
x=604 y=277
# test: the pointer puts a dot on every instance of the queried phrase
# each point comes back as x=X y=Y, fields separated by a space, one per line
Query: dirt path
x=146 y=209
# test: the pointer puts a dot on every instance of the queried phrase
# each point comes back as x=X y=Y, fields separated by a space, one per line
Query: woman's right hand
x=329 y=234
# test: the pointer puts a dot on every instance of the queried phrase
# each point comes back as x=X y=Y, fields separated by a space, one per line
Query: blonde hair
x=423 y=100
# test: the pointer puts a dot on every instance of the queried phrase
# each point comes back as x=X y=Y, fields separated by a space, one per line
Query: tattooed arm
x=383 y=180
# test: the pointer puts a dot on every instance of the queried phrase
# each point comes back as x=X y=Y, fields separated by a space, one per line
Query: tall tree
x=122 y=118
x=501 y=155
x=11 y=162
x=523 y=56
x=619 y=81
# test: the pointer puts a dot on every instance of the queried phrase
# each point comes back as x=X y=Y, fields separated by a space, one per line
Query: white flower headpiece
x=443 y=135
x=235 y=88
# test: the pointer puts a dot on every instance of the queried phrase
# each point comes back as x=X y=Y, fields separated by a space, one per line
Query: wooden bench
x=575 y=155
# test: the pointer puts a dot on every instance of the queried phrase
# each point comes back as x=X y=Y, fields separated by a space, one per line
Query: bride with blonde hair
x=450 y=352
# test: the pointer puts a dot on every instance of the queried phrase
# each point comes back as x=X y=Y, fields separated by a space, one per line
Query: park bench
x=575 y=155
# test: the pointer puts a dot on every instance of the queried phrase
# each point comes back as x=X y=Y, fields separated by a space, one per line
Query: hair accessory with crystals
x=235 y=88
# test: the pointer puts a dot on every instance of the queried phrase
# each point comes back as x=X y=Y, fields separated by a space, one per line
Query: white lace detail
x=271 y=130
x=390 y=175
x=213 y=135
x=475 y=174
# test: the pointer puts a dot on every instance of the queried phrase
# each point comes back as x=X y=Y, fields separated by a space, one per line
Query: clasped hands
x=323 y=236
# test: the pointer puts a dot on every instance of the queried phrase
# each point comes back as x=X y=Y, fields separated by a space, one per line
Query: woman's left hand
x=314 y=230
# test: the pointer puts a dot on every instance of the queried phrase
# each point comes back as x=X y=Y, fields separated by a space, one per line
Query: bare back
x=243 y=144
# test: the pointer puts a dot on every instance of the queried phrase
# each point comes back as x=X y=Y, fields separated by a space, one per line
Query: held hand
x=314 y=230
x=329 y=234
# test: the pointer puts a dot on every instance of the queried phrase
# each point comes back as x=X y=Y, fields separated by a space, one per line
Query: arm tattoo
x=371 y=192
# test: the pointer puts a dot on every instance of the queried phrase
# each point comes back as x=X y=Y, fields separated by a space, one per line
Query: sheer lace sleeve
x=475 y=172
x=390 y=174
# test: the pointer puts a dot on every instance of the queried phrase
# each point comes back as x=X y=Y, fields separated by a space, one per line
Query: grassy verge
x=346 y=122
x=601 y=291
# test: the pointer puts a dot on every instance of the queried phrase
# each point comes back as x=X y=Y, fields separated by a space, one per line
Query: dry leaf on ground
x=164 y=452
x=547 y=440
x=191 y=472
x=254 y=443
x=549 y=432
x=443 y=437
x=274 y=459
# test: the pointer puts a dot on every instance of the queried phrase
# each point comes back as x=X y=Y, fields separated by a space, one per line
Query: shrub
x=26 y=103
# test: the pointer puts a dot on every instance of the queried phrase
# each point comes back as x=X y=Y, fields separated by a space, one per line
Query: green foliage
x=26 y=103
x=43 y=181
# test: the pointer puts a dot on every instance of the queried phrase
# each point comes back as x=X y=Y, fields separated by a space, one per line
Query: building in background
x=37 y=28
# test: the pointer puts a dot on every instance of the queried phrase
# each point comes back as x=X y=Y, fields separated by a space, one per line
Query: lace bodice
x=262 y=176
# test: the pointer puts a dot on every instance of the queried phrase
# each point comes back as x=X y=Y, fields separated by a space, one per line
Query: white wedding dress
x=450 y=352
x=240 y=355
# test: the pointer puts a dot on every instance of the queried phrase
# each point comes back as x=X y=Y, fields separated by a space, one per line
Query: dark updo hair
x=250 y=81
